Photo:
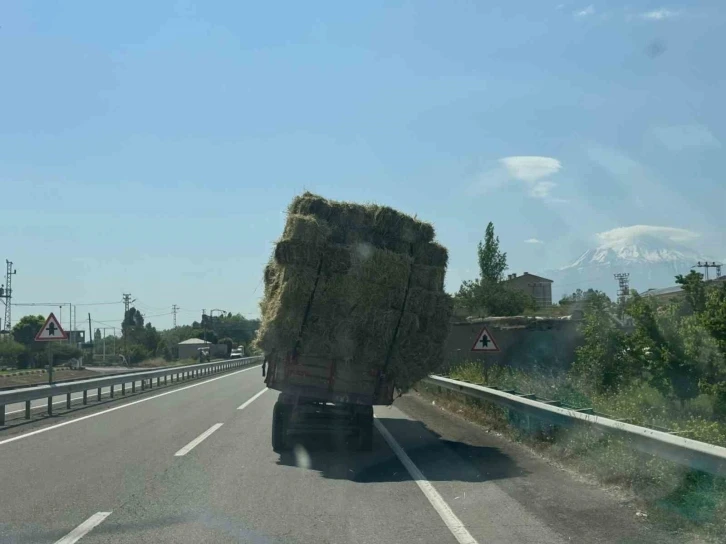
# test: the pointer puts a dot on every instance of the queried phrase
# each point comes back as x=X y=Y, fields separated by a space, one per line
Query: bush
x=136 y=353
x=10 y=352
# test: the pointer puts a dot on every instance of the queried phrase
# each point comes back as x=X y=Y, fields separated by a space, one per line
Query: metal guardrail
x=176 y=373
x=684 y=451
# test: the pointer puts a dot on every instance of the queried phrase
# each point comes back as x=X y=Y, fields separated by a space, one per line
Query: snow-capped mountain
x=653 y=256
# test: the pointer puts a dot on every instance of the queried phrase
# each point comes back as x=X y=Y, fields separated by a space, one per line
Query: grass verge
x=675 y=497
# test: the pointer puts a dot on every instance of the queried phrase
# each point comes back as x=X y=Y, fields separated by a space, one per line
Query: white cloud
x=530 y=168
x=589 y=10
x=680 y=137
x=541 y=189
x=533 y=241
x=624 y=235
x=659 y=14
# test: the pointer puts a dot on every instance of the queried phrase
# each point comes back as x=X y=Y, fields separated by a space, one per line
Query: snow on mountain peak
x=639 y=244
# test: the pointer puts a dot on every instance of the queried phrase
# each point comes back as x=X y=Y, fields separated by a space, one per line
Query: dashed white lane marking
x=198 y=440
x=79 y=532
x=146 y=399
x=447 y=515
x=253 y=399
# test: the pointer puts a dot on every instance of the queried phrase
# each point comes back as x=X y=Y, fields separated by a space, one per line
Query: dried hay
x=360 y=285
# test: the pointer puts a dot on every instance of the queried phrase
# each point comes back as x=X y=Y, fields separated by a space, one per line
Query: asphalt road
x=186 y=464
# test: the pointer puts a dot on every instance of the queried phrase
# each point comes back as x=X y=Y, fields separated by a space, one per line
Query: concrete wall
x=524 y=342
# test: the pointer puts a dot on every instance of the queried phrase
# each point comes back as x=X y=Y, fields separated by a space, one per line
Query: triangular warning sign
x=485 y=342
x=51 y=331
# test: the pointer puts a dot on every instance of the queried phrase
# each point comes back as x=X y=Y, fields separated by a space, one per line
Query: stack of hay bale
x=360 y=285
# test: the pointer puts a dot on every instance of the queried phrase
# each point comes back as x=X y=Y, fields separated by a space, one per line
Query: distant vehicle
x=236 y=353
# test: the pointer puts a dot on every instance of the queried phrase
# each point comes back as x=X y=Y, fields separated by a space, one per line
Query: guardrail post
x=27 y=409
x=2 y=414
x=133 y=386
x=98 y=394
x=85 y=396
x=68 y=401
x=112 y=391
x=165 y=379
x=158 y=381
x=123 y=388
x=50 y=406
x=143 y=384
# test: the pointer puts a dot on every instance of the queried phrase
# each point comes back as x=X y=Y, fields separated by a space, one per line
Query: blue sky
x=152 y=147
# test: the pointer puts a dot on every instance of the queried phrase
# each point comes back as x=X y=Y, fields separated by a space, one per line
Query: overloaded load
x=361 y=285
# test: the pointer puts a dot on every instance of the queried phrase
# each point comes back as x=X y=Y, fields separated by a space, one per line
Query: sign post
x=51 y=331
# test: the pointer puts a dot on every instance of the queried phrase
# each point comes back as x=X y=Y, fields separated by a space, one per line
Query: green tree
x=492 y=262
x=97 y=336
x=25 y=330
x=163 y=350
x=229 y=343
x=603 y=363
x=10 y=352
x=489 y=293
x=695 y=290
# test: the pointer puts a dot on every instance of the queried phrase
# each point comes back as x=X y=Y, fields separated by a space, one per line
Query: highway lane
x=231 y=487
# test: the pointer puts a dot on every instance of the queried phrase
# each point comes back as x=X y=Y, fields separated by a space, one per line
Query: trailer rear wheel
x=280 y=416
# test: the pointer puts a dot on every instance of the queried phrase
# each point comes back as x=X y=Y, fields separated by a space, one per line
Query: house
x=539 y=288
x=189 y=349
x=668 y=293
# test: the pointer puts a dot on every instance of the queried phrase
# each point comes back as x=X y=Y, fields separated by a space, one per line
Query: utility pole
x=6 y=293
x=90 y=334
x=623 y=288
x=706 y=265
x=174 y=308
x=204 y=324
x=127 y=304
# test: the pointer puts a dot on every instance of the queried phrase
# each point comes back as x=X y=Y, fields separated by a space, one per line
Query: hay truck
x=344 y=406
x=353 y=309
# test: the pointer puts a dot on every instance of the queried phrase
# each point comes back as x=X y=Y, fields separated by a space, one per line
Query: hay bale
x=360 y=285
x=357 y=222
x=430 y=254
x=306 y=228
x=428 y=277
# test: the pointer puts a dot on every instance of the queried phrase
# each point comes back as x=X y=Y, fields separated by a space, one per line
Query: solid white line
x=198 y=440
x=79 y=532
x=447 y=515
x=102 y=412
x=253 y=399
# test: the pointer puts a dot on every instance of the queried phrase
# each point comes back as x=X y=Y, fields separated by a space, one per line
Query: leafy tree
x=695 y=290
x=211 y=336
x=10 y=352
x=132 y=320
x=97 y=336
x=229 y=342
x=662 y=351
x=136 y=353
x=25 y=330
x=163 y=350
x=715 y=316
x=492 y=262
x=603 y=362
x=489 y=293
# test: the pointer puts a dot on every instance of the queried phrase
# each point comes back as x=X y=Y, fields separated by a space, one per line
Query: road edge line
x=453 y=523
x=84 y=528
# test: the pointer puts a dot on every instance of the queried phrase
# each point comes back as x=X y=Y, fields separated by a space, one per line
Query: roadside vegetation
x=139 y=341
x=658 y=364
